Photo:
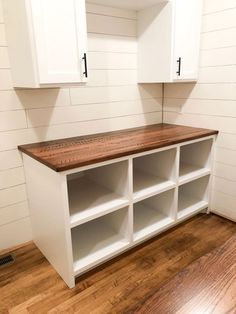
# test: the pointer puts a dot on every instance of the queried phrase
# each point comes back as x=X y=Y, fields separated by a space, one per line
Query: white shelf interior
x=153 y=214
x=154 y=173
x=95 y=191
x=127 y=4
x=195 y=160
x=193 y=197
x=99 y=239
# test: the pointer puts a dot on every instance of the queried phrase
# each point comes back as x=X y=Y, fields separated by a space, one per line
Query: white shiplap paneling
x=211 y=103
x=211 y=6
x=10 y=159
x=14 y=212
x=4 y=58
x=220 y=20
x=2 y=36
x=11 y=177
x=112 y=100
x=15 y=233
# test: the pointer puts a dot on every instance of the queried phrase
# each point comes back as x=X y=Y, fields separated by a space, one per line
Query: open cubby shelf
x=100 y=238
x=154 y=173
x=195 y=160
x=111 y=210
x=153 y=214
x=193 y=197
x=93 y=192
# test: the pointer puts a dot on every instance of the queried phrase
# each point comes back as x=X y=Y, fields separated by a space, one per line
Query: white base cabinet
x=85 y=216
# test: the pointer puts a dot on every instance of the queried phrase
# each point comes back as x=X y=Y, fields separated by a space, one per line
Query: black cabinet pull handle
x=179 y=67
x=85 y=65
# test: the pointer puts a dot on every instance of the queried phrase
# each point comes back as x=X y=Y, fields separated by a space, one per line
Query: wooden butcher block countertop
x=70 y=153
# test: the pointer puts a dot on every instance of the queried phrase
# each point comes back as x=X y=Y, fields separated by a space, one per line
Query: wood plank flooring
x=32 y=286
x=206 y=286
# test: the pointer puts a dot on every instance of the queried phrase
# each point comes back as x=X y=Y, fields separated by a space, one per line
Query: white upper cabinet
x=186 y=36
x=47 y=42
x=169 y=41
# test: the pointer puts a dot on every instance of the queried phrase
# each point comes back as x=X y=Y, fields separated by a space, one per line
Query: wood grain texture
x=75 y=152
x=32 y=286
x=206 y=286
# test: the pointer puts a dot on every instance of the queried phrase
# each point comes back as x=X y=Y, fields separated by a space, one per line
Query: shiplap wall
x=211 y=103
x=112 y=100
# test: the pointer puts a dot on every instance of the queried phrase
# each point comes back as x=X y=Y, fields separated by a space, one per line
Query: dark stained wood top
x=206 y=286
x=70 y=153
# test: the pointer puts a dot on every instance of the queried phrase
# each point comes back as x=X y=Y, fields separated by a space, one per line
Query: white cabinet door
x=169 y=41
x=60 y=39
x=187 y=15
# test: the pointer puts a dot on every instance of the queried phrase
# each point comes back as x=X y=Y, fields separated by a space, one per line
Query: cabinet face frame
x=56 y=208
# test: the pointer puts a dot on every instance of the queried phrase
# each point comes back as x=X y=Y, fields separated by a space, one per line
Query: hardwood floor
x=206 y=286
x=122 y=285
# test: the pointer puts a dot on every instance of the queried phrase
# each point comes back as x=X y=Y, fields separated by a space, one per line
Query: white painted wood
x=131 y=113
x=96 y=191
x=46 y=48
x=2 y=35
x=154 y=173
x=193 y=197
x=110 y=11
x=211 y=6
x=101 y=210
x=4 y=58
x=224 y=205
x=195 y=160
x=187 y=29
x=98 y=95
x=1 y=14
x=21 y=227
x=5 y=79
x=101 y=24
x=40 y=117
x=190 y=172
x=99 y=239
x=155 y=43
x=219 y=20
x=128 y=4
x=12 y=195
x=111 y=43
x=10 y=120
x=220 y=38
x=11 y=177
x=50 y=216
x=153 y=214
x=166 y=32
x=12 y=213
x=88 y=200
x=112 y=61
x=10 y=159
